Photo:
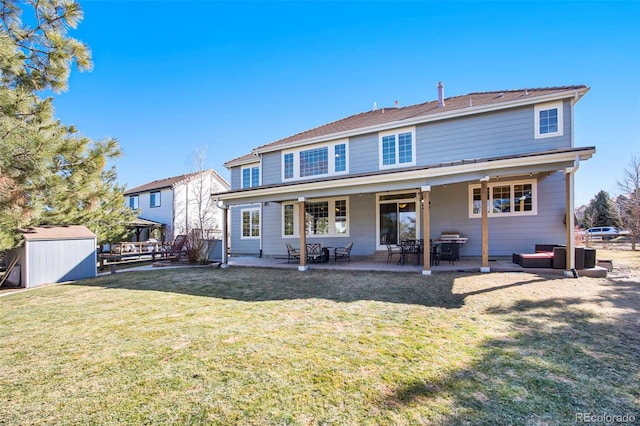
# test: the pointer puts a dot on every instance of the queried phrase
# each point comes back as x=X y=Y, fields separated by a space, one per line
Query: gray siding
x=362 y=230
x=479 y=136
x=507 y=235
x=238 y=245
x=236 y=178
x=57 y=261
x=363 y=153
x=271 y=168
x=486 y=135
x=449 y=212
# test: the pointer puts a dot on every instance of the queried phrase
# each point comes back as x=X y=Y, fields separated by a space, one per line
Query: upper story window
x=133 y=201
x=397 y=148
x=314 y=162
x=548 y=120
x=505 y=198
x=154 y=199
x=319 y=160
x=250 y=176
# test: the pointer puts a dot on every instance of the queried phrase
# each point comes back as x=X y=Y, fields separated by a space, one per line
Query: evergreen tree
x=603 y=211
x=49 y=173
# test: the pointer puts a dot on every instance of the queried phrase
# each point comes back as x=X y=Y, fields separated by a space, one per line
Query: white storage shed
x=53 y=254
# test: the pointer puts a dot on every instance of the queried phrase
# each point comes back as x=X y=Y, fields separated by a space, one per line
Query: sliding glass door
x=397 y=218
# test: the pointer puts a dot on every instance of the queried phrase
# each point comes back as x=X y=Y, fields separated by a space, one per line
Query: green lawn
x=277 y=347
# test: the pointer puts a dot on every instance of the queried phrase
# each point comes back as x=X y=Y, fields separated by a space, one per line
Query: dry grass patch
x=260 y=346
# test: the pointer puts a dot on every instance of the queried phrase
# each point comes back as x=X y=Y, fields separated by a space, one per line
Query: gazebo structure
x=139 y=225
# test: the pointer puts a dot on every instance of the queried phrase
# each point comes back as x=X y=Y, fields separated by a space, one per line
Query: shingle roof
x=381 y=116
x=169 y=182
x=50 y=232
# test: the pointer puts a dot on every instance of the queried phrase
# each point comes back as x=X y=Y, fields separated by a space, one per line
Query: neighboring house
x=417 y=172
x=179 y=205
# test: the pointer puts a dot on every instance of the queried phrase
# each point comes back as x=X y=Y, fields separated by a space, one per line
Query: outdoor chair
x=435 y=253
x=292 y=253
x=314 y=252
x=391 y=249
x=343 y=252
x=409 y=248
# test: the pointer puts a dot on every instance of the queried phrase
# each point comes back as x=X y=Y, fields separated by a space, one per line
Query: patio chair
x=434 y=249
x=292 y=253
x=314 y=252
x=391 y=249
x=343 y=252
x=409 y=248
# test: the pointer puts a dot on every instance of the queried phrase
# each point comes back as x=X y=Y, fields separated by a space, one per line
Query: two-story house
x=495 y=167
x=179 y=205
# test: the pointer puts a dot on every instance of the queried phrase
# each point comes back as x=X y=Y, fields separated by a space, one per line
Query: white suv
x=605 y=232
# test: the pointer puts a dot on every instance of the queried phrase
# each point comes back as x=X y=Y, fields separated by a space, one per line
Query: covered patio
x=430 y=191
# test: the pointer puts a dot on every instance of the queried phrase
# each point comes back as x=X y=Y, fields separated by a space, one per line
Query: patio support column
x=302 y=229
x=570 y=260
x=426 y=231
x=225 y=236
x=485 y=224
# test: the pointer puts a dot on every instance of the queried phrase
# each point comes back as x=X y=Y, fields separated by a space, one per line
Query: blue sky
x=172 y=77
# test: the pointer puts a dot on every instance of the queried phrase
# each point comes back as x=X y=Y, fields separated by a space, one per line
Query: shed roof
x=51 y=232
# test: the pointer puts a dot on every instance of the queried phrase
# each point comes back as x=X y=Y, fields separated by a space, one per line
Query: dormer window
x=548 y=120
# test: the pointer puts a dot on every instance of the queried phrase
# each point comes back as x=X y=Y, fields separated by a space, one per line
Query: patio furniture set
x=318 y=253
x=553 y=256
x=447 y=247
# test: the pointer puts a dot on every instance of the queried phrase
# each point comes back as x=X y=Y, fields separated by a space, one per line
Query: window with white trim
x=250 y=223
x=505 y=199
x=317 y=160
x=154 y=199
x=327 y=217
x=548 y=120
x=397 y=148
x=250 y=176
x=133 y=202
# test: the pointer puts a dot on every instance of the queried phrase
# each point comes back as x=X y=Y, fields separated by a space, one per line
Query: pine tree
x=49 y=173
x=603 y=210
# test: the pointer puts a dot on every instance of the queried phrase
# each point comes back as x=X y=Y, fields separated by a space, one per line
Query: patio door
x=397 y=218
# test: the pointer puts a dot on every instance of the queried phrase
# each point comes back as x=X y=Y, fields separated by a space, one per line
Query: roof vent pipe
x=440 y=94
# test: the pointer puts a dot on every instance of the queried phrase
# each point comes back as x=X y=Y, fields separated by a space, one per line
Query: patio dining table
x=416 y=248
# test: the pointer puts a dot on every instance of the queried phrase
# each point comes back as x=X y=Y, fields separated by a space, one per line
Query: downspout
x=570 y=270
x=255 y=152
x=225 y=259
